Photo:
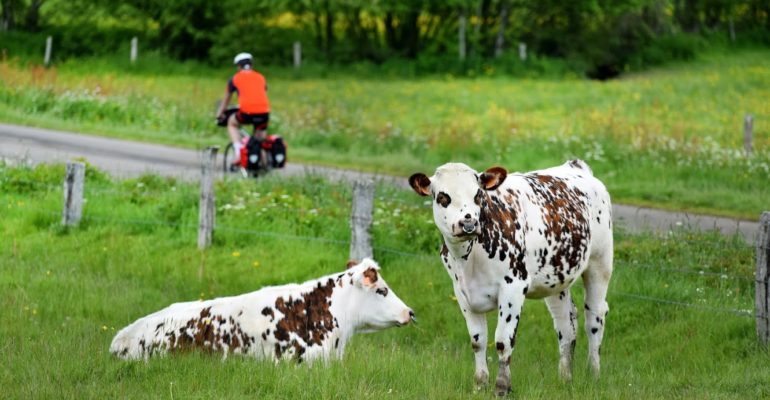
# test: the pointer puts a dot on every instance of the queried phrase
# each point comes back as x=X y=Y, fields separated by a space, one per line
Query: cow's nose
x=468 y=225
x=412 y=317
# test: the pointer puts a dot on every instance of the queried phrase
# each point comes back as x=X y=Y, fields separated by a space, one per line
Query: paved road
x=126 y=159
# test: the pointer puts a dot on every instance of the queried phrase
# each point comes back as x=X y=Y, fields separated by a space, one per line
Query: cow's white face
x=378 y=306
x=456 y=190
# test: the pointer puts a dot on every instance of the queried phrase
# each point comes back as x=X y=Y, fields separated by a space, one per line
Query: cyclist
x=251 y=88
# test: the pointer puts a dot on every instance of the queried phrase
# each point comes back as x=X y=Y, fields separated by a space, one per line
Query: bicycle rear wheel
x=229 y=157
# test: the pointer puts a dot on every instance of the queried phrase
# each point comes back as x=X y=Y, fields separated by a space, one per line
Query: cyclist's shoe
x=235 y=166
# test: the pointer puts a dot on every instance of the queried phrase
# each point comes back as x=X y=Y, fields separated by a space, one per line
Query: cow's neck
x=344 y=311
x=459 y=250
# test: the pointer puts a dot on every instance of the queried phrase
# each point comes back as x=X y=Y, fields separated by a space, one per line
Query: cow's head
x=377 y=306
x=457 y=194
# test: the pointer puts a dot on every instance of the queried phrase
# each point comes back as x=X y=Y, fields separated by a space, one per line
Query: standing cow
x=517 y=236
x=304 y=321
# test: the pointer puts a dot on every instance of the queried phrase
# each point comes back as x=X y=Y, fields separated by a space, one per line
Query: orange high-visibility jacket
x=252 y=91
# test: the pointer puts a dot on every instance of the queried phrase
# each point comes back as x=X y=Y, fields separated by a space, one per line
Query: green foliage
x=681 y=47
x=598 y=39
x=66 y=293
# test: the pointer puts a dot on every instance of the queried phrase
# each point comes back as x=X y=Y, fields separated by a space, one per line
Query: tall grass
x=671 y=137
x=65 y=292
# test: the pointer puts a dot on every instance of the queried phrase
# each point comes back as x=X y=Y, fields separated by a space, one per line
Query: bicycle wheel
x=228 y=158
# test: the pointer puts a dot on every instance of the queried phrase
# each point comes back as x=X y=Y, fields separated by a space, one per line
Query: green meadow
x=680 y=325
x=670 y=137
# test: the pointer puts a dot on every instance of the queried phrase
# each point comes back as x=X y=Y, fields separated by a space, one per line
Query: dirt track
x=125 y=159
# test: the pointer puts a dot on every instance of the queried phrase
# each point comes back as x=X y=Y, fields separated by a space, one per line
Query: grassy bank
x=669 y=138
x=65 y=292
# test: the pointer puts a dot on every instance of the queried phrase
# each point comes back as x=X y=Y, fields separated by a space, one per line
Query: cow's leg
x=476 y=323
x=510 y=301
x=477 y=329
x=564 y=315
x=596 y=280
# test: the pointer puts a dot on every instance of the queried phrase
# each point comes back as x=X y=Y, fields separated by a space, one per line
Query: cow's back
x=564 y=214
x=227 y=324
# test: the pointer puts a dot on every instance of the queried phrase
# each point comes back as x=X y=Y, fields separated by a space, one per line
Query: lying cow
x=507 y=237
x=304 y=321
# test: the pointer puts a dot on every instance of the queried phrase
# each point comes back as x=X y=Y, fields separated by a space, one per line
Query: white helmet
x=242 y=57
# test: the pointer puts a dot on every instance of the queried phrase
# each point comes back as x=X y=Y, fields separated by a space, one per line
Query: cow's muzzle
x=407 y=319
x=467 y=227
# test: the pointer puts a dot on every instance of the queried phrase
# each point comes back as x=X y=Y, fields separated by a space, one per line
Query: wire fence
x=428 y=256
x=140 y=189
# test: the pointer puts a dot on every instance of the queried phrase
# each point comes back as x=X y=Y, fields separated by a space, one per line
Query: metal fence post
x=763 y=279
x=74 y=178
x=361 y=220
x=207 y=211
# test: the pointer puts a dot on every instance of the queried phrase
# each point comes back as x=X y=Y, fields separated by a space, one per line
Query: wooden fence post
x=763 y=280
x=522 y=51
x=74 y=178
x=207 y=212
x=48 y=46
x=297 y=54
x=361 y=220
x=134 y=49
x=748 y=133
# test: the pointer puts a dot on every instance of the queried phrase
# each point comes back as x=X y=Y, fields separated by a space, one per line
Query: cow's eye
x=477 y=197
x=443 y=199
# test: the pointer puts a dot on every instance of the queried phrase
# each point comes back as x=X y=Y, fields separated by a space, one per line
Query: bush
x=681 y=47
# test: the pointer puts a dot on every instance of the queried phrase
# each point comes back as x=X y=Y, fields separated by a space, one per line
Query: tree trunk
x=410 y=36
x=461 y=42
x=319 y=31
x=505 y=8
x=390 y=31
x=32 y=19
x=686 y=15
x=329 y=31
x=7 y=21
x=356 y=33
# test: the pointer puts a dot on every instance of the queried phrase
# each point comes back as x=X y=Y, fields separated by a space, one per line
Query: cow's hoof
x=482 y=379
x=502 y=389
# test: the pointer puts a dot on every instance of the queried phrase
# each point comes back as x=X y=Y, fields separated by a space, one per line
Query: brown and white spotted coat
x=301 y=322
x=508 y=237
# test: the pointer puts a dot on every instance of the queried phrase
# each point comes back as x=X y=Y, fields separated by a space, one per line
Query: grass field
x=65 y=292
x=670 y=138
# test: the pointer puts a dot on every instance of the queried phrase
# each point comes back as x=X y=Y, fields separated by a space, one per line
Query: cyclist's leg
x=260 y=122
x=233 y=129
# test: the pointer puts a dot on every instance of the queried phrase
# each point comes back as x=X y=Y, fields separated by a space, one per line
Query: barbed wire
x=220 y=228
x=743 y=313
x=139 y=188
x=722 y=275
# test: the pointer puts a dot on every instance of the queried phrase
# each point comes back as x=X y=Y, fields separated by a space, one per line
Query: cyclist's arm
x=228 y=95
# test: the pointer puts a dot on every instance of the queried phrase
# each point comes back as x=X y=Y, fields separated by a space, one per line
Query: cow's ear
x=369 y=277
x=492 y=178
x=420 y=183
x=351 y=264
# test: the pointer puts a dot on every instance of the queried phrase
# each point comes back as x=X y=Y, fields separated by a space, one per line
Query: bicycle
x=257 y=156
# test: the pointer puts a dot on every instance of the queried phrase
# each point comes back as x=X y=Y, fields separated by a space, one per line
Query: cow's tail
x=580 y=164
